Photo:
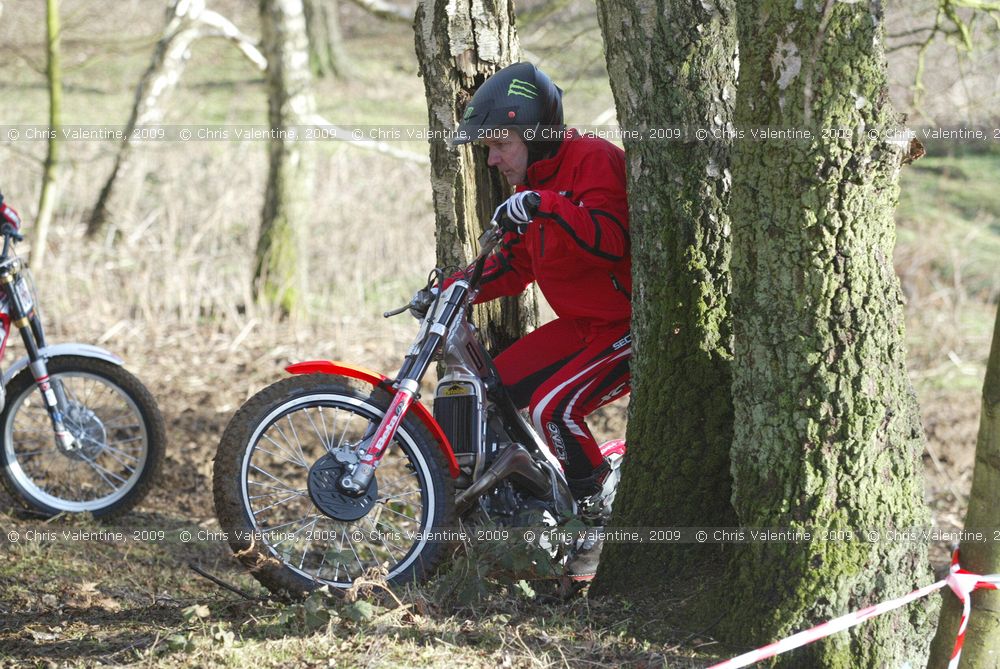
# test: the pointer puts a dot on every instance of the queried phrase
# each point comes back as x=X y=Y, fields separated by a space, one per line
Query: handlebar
x=487 y=244
x=9 y=233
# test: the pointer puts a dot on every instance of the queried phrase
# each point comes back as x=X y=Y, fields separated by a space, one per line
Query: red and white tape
x=961 y=582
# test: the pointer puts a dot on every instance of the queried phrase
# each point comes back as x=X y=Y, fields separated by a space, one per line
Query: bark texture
x=460 y=44
x=673 y=69
x=982 y=638
x=281 y=272
x=827 y=432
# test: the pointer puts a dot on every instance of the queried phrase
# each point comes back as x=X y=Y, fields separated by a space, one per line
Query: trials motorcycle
x=338 y=470
x=78 y=433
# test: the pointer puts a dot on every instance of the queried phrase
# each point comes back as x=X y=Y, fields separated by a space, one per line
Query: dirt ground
x=114 y=604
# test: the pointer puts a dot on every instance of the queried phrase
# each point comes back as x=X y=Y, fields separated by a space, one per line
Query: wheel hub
x=327 y=495
x=87 y=429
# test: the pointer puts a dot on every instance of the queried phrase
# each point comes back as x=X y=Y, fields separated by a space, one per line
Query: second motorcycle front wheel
x=118 y=431
x=278 y=501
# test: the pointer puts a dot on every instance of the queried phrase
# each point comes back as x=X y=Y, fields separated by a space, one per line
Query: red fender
x=379 y=381
x=615 y=446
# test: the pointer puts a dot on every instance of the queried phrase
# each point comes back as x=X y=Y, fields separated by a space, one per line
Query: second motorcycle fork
x=32 y=335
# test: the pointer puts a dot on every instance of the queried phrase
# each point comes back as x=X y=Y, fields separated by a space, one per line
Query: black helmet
x=520 y=96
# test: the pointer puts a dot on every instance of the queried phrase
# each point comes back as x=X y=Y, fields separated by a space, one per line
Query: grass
x=61 y=606
x=948 y=243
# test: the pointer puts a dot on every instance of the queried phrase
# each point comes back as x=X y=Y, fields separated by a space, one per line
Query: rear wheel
x=276 y=494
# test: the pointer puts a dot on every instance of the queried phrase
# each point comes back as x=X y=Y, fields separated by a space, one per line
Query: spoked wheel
x=119 y=440
x=277 y=496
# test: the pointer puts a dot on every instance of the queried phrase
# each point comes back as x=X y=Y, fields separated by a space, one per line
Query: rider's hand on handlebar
x=516 y=212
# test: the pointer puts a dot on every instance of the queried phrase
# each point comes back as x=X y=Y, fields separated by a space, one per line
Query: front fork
x=52 y=390
x=357 y=481
x=414 y=367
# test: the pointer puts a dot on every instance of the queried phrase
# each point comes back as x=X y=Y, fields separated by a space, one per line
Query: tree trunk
x=672 y=66
x=50 y=175
x=459 y=44
x=279 y=278
x=827 y=431
x=326 y=54
x=982 y=638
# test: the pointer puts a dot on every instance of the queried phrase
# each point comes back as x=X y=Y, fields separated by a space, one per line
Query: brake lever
x=395 y=312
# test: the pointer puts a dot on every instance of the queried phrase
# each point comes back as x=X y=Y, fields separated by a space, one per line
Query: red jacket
x=577 y=246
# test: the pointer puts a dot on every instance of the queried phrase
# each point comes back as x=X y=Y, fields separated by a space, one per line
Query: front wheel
x=278 y=501
x=119 y=440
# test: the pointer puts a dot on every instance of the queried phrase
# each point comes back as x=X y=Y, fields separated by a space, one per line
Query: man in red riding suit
x=573 y=240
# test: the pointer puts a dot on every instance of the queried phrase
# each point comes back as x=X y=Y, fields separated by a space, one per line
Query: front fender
x=72 y=348
x=383 y=382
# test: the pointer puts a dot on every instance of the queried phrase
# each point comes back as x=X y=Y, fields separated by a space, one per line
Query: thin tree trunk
x=326 y=54
x=50 y=176
x=459 y=44
x=280 y=274
x=982 y=639
x=827 y=432
x=672 y=66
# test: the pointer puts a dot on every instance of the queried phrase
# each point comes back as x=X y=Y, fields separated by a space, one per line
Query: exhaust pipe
x=515 y=461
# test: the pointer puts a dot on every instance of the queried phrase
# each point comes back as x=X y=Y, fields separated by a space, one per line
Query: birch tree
x=187 y=21
x=280 y=274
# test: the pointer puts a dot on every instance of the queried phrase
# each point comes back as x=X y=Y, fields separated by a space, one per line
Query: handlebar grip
x=395 y=312
x=8 y=230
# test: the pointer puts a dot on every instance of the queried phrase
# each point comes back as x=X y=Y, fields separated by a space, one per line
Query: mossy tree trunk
x=460 y=44
x=50 y=174
x=279 y=279
x=827 y=431
x=982 y=638
x=673 y=69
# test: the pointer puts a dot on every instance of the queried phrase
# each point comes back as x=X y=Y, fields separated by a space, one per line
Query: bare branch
x=386 y=10
x=908 y=33
x=918 y=77
x=980 y=5
x=344 y=135
x=225 y=29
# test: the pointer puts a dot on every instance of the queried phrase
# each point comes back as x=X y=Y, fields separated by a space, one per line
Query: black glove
x=422 y=301
x=516 y=212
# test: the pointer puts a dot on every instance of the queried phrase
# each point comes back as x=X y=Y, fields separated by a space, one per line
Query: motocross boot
x=595 y=495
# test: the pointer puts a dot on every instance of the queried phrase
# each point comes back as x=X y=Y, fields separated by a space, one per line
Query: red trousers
x=562 y=372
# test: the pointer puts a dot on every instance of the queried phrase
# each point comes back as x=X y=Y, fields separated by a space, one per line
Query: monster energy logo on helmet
x=522 y=88
x=518 y=96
